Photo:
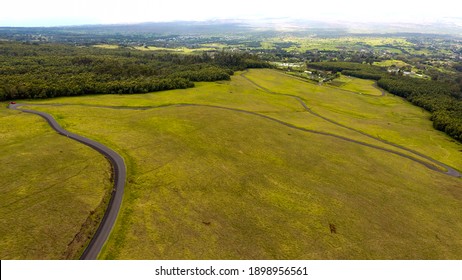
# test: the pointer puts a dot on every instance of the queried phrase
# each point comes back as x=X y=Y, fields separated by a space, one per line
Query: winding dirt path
x=450 y=171
x=433 y=165
x=119 y=175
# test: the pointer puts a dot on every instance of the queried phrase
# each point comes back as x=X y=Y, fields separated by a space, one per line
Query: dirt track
x=433 y=165
x=450 y=171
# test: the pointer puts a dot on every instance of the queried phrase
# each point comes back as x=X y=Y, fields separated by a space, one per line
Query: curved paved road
x=119 y=172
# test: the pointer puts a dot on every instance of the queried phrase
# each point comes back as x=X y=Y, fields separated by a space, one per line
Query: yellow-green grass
x=49 y=186
x=360 y=86
x=390 y=62
x=318 y=123
x=389 y=117
x=211 y=183
x=184 y=50
x=334 y=44
x=106 y=46
x=215 y=45
x=238 y=93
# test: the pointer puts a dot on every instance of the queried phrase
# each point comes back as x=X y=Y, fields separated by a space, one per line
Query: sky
x=78 y=12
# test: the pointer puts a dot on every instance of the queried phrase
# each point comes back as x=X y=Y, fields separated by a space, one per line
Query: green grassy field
x=334 y=44
x=209 y=182
x=49 y=186
x=389 y=117
x=183 y=50
x=238 y=94
x=391 y=62
x=356 y=85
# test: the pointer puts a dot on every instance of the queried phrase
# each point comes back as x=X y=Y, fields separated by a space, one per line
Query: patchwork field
x=267 y=166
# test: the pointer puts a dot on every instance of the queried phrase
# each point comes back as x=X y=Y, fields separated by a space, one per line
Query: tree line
x=29 y=71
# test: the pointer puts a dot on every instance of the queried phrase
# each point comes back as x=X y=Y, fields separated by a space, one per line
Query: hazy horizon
x=28 y=13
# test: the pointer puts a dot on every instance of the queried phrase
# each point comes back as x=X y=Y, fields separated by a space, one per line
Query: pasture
x=241 y=170
x=53 y=190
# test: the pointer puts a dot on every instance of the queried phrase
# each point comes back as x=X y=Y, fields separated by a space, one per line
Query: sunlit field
x=242 y=170
x=52 y=190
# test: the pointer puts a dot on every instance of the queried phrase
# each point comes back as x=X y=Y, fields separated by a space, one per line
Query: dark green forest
x=50 y=70
x=442 y=98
